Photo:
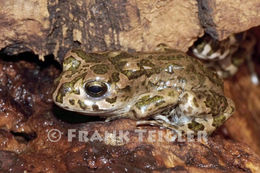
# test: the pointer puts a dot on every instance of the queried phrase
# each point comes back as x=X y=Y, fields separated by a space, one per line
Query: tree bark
x=54 y=27
x=220 y=18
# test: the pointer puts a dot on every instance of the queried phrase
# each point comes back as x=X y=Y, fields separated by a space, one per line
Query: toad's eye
x=96 y=88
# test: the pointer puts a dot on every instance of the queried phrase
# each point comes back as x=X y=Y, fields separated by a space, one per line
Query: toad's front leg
x=146 y=105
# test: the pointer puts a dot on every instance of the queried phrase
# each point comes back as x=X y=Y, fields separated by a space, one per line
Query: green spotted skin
x=166 y=88
x=226 y=56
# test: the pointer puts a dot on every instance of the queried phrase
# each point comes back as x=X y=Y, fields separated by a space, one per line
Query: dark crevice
x=73 y=117
x=30 y=57
x=24 y=137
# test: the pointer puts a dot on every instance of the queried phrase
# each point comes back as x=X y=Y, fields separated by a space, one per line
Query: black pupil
x=95 y=89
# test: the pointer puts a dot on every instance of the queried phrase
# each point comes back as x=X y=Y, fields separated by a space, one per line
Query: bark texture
x=220 y=18
x=54 y=27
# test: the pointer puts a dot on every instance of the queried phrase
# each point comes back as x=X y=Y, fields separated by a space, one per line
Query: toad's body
x=170 y=89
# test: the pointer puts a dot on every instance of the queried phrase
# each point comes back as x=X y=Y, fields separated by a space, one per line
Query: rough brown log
x=220 y=18
x=54 y=27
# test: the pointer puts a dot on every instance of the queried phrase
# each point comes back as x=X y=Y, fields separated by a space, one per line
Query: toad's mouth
x=74 y=117
x=95 y=112
x=88 y=115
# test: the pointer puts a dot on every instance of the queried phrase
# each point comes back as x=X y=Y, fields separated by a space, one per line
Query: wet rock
x=32 y=145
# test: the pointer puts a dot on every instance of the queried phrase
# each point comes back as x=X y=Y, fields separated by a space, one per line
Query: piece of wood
x=54 y=27
x=220 y=18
